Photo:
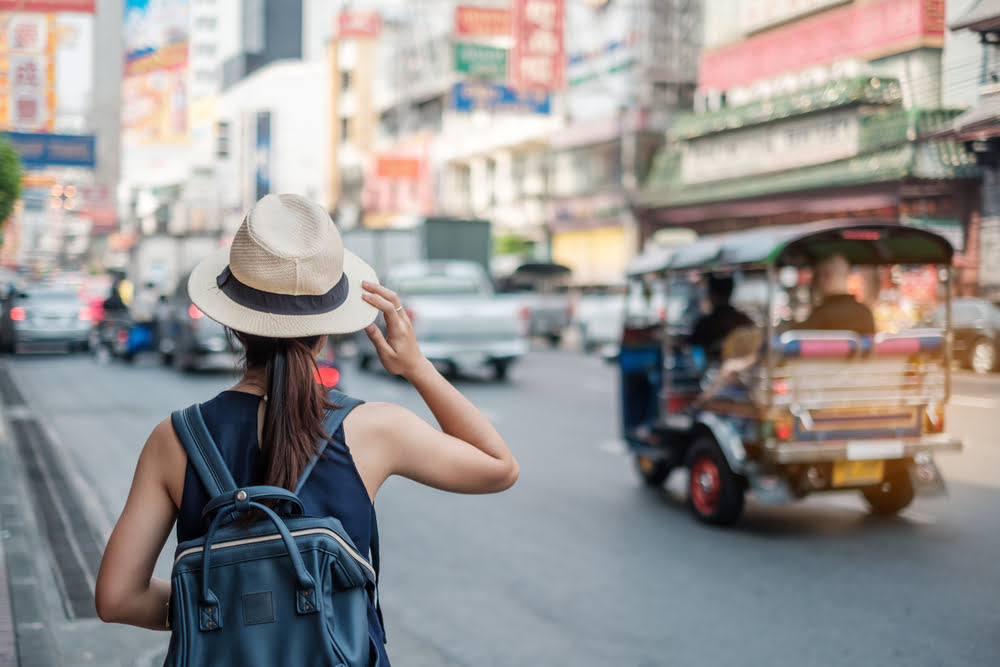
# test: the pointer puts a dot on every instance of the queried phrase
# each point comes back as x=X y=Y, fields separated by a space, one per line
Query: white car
x=459 y=321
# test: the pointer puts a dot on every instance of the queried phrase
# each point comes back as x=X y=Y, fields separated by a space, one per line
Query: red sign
x=481 y=21
x=881 y=27
x=538 y=59
x=48 y=6
x=397 y=168
x=364 y=25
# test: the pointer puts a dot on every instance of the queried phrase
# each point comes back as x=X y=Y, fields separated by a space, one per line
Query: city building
x=978 y=129
x=630 y=68
x=818 y=109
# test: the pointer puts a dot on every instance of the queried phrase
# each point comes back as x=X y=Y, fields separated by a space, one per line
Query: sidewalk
x=8 y=649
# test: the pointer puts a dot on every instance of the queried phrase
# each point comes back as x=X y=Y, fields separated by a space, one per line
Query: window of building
x=345 y=81
x=222 y=139
x=204 y=76
x=345 y=129
x=206 y=22
x=206 y=49
x=491 y=183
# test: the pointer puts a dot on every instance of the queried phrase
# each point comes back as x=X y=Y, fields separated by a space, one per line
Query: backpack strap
x=202 y=451
x=331 y=422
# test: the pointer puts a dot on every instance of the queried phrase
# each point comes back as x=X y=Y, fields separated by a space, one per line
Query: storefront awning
x=936 y=160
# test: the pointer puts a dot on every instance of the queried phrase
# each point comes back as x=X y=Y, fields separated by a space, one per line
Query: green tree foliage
x=511 y=244
x=10 y=179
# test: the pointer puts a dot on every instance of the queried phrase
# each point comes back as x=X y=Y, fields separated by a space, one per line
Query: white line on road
x=615 y=446
x=974 y=402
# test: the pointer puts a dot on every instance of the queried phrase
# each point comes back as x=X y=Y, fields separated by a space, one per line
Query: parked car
x=44 y=318
x=976 y=326
x=542 y=290
x=459 y=321
x=189 y=340
x=598 y=314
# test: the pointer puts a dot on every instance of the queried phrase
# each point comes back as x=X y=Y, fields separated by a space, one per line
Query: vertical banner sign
x=262 y=154
x=538 y=58
x=154 y=84
x=27 y=49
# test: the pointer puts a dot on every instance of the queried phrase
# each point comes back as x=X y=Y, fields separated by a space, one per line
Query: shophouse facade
x=978 y=131
x=817 y=110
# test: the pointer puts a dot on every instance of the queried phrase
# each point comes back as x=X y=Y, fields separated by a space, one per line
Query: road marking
x=974 y=402
x=615 y=446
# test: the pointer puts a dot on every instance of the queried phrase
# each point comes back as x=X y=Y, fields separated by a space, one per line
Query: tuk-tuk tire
x=654 y=472
x=894 y=494
x=723 y=505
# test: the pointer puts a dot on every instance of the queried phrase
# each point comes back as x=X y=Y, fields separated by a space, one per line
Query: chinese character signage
x=482 y=22
x=538 y=58
x=481 y=61
x=481 y=96
x=27 y=86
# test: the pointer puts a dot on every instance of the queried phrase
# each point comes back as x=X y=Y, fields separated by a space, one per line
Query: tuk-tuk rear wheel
x=893 y=494
x=654 y=472
x=715 y=493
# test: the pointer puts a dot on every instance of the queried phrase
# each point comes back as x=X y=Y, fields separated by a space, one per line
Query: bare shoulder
x=378 y=422
x=166 y=454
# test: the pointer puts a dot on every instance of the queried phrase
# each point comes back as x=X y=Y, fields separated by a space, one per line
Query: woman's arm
x=126 y=590
x=469 y=456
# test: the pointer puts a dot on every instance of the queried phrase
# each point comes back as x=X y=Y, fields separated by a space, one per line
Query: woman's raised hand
x=397 y=349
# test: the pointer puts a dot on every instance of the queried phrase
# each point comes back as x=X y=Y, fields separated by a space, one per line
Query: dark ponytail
x=293 y=413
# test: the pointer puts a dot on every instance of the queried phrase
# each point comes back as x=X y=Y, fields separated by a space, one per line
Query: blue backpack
x=287 y=589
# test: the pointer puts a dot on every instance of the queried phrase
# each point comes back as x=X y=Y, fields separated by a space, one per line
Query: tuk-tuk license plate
x=857 y=473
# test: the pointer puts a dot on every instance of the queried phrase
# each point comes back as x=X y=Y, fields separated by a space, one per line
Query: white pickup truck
x=460 y=323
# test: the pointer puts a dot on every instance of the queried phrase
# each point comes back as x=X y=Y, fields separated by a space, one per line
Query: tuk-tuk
x=787 y=412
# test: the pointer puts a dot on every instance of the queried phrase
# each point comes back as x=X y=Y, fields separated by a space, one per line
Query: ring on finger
x=399 y=309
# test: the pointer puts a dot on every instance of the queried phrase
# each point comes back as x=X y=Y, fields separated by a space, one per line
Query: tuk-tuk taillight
x=780 y=387
x=934 y=419
x=783 y=428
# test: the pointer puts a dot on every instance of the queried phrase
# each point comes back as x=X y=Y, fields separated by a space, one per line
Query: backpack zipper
x=277 y=536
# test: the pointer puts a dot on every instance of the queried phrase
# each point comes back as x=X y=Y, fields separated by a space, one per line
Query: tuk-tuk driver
x=838 y=308
x=710 y=330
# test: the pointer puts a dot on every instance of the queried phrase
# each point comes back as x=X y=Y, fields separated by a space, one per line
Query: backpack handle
x=209 y=615
x=256 y=493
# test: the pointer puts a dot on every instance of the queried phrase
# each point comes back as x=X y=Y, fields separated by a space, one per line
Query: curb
x=8 y=647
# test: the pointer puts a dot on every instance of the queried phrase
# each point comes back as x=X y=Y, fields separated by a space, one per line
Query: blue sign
x=262 y=168
x=484 y=96
x=38 y=151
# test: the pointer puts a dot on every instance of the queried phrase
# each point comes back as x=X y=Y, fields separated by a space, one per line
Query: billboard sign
x=27 y=52
x=480 y=61
x=397 y=168
x=481 y=96
x=363 y=25
x=859 y=30
x=481 y=22
x=38 y=151
x=538 y=61
x=48 y=6
x=154 y=84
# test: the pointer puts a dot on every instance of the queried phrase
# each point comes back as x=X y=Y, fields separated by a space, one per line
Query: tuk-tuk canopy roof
x=860 y=241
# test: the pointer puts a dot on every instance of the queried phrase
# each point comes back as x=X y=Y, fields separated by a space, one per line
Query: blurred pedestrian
x=282 y=286
x=710 y=330
x=838 y=309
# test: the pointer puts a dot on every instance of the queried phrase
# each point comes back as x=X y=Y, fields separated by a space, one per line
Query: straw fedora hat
x=285 y=275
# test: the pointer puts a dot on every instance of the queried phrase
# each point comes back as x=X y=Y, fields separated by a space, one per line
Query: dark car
x=44 y=318
x=188 y=339
x=976 y=326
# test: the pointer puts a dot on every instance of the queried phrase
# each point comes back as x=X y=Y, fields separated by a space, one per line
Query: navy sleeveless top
x=334 y=488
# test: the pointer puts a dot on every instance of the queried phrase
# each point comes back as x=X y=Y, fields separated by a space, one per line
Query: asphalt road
x=578 y=564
